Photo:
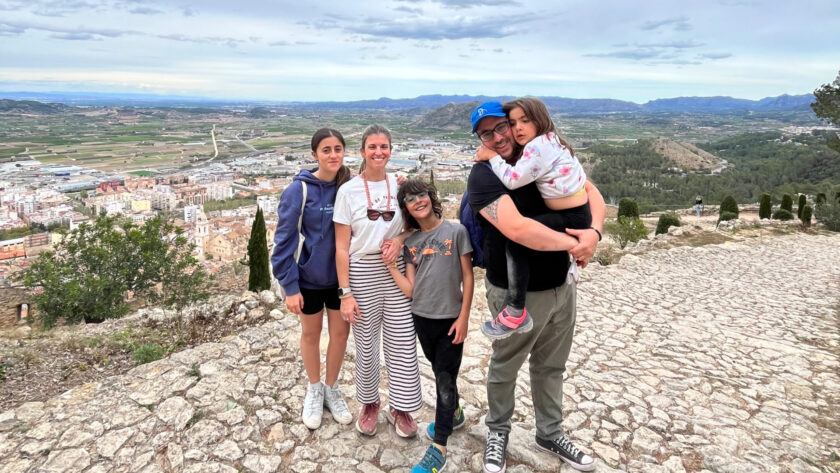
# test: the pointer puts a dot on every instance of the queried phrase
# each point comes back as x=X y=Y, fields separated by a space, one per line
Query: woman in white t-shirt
x=366 y=214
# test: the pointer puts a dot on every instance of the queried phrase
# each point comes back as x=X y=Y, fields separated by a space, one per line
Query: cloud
x=714 y=55
x=14 y=29
x=673 y=44
x=459 y=27
x=145 y=11
x=53 y=8
x=229 y=42
x=679 y=24
x=635 y=54
x=663 y=53
x=76 y=36
x=188 y=11
x=413 y=11
x=461 y=4
x=275 y=44
x=11 y=30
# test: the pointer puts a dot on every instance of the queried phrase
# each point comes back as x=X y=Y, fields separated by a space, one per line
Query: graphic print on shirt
x=430 y=248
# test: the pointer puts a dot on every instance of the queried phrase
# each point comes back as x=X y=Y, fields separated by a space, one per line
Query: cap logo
x=481 y=112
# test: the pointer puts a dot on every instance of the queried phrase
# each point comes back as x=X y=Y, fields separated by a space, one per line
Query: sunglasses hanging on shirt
x=373 y=214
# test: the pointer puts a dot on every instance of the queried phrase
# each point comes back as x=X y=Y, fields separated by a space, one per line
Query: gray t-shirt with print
x=436 y=256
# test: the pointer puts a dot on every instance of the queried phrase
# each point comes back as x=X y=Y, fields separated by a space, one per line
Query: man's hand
x=587 y=243
x=484 y=154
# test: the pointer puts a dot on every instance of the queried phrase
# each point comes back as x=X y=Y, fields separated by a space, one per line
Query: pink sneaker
x=404 y=424
x=366 y=423
x=505 y=325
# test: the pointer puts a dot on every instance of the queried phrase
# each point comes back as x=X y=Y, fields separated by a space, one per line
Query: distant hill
x=450 y=117
x=686 y=156
x=31 y=107
x=568 y=105
x=427 y=102
x=728 y=104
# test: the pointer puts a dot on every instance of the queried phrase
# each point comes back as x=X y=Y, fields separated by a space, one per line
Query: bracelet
x=596 y=231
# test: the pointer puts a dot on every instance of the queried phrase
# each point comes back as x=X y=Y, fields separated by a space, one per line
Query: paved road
x=722 y=358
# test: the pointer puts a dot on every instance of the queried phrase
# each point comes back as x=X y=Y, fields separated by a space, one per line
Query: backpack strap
x=300 y=223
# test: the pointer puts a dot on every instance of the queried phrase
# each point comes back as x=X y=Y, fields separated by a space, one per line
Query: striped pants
x=386 y=316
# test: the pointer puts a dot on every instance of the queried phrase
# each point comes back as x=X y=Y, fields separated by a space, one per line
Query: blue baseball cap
x=487 y=109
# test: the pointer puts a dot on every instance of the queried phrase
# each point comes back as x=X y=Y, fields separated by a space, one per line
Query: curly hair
x=416 y=186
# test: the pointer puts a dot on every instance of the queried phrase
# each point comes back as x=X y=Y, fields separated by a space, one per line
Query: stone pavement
x=722 y=358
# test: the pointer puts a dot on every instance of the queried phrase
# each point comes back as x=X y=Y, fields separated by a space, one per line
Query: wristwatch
x=344 y=292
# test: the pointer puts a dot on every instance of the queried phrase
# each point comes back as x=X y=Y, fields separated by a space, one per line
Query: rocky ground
x=716 y=358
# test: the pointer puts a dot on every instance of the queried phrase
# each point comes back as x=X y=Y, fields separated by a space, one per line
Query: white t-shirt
x=366 y=236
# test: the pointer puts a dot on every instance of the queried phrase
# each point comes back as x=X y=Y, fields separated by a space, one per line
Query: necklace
x=387 y=187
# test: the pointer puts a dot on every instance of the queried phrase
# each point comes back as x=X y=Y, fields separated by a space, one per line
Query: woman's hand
x=400 y=179
x=390 y=251
x=588 y=242
x=484 y=154
x=294 y=303
x=350 y=309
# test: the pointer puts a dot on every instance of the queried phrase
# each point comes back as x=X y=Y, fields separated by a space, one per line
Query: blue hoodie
x=316 y=266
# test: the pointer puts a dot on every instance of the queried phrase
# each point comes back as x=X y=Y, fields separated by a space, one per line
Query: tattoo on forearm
x=493 y=211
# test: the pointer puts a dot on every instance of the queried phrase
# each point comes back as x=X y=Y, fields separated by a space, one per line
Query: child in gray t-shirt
x=438 y=263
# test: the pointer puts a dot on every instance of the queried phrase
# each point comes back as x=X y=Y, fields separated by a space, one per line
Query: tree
x=258 y=278
x=95 y=265
x=627 y=207
x=626 y=229
x=728 y=206
x=827 y=107
x=764 y=209
x=802 y=201
x=787 y=203
x=432 y=177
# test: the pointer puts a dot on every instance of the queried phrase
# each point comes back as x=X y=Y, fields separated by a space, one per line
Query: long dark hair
x=537 y=112
x=416 y=186
x=343 y=174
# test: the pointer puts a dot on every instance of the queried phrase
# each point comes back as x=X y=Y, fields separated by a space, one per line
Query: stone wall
x=10 y=300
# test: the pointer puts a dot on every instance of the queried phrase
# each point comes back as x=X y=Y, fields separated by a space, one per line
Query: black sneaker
x=566 y=450
x=495 y=451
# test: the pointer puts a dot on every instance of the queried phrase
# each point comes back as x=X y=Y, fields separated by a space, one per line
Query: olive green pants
x=548 y=345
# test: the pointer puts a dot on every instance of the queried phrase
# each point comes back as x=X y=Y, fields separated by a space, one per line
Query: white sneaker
x=336 y=405
x=313 y=406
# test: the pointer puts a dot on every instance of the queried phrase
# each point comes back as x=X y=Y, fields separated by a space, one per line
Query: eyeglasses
x=410 y=198
x=501 y=128
x=386 y=215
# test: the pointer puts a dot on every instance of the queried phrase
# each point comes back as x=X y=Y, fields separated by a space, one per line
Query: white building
x=268 y=203
x=219 y=190
x=191 y=213
x=113 y=207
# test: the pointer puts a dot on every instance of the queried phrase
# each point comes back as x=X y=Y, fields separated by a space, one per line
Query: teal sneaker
x=434 y=461
x=457 y=423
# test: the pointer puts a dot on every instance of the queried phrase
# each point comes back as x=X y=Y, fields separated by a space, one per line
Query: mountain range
x=427 y=102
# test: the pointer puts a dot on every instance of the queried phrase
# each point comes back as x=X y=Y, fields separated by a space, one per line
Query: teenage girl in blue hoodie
x=311 y=283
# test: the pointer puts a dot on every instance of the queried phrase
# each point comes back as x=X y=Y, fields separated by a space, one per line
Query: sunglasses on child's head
x=387 y=215
x=410 y=198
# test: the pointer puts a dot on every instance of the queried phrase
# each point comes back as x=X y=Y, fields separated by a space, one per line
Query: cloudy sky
x=345 y=50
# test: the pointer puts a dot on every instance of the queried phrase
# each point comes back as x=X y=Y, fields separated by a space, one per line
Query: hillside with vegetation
x=771 y=162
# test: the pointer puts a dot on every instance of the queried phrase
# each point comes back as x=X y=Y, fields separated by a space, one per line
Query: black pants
x=517 y=260
x=445 y=357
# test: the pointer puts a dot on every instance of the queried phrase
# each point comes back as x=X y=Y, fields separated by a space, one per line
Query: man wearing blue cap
x=505 y=216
